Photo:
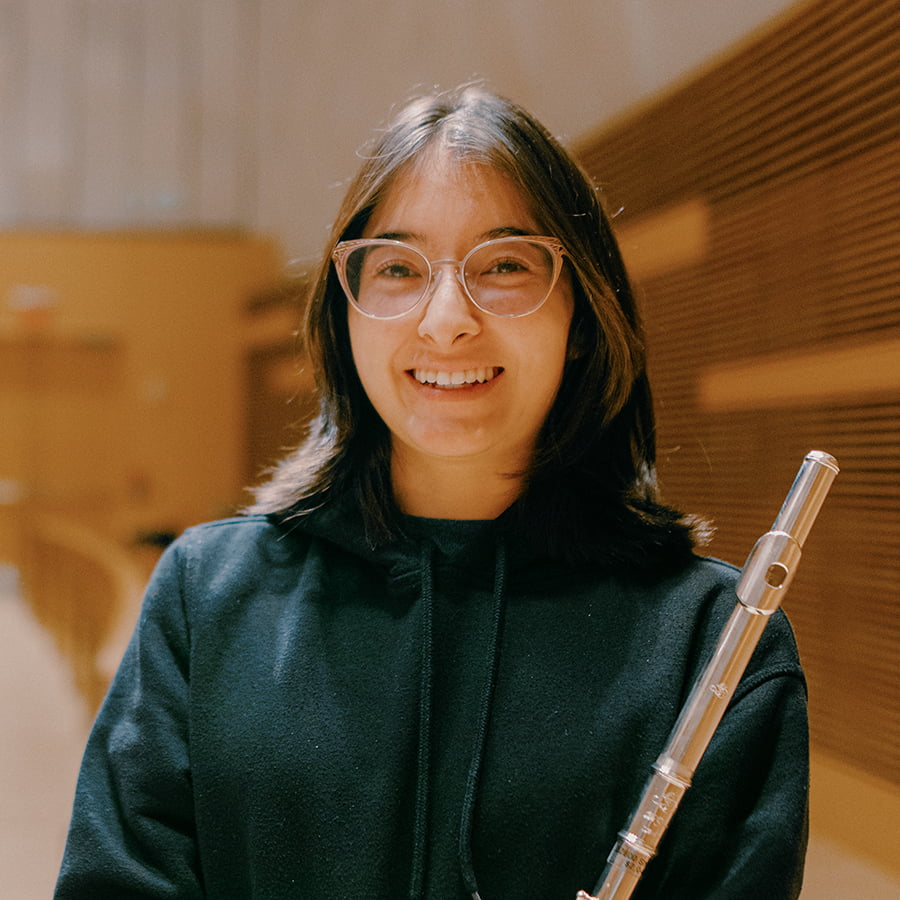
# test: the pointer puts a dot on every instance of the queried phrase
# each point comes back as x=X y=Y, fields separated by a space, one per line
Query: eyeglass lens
x=509 y=277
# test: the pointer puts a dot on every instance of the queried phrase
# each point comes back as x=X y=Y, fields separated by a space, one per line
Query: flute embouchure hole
x=776 y=575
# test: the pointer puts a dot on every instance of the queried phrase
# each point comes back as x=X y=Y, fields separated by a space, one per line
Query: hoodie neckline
x=456 y=540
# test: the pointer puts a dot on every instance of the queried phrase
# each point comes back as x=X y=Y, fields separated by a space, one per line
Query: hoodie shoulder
x=236 y=534
x=233 y=550
x=776 y=652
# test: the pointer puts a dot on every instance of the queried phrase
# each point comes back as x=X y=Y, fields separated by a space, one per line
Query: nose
x=448 y=314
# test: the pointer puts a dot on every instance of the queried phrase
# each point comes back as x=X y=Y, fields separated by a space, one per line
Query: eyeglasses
x=510 y=276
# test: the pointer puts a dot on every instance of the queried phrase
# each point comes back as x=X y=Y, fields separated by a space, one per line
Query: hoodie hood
x=466 y=547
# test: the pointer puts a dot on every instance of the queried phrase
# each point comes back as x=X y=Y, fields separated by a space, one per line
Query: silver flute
x=765 y=578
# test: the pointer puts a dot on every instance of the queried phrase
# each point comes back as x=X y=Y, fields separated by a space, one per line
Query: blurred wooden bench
x=86 y=590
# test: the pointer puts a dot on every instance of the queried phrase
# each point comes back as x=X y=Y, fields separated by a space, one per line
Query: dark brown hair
x=590 y=492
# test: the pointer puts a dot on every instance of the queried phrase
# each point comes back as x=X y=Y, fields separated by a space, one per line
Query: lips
x=451 y=379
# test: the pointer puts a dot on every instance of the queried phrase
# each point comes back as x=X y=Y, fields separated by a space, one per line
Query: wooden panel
x=667 y=240
x=818 y=377
x=786 y=335
x=158 y=439
x=857 y=810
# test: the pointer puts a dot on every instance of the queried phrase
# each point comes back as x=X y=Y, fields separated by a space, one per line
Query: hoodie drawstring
x=420 y=828
x=466 y=864
x=420 y=833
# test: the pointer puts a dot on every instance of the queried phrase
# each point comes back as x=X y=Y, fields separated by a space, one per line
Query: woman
x=440 y=655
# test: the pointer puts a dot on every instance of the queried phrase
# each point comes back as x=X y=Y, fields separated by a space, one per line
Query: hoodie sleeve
x=741 y=830
x=132 y=832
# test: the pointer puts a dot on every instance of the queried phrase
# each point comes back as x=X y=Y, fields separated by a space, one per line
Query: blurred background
x=168 y=173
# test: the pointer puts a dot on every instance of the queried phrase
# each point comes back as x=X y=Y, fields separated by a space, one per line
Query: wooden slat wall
x=791 y=147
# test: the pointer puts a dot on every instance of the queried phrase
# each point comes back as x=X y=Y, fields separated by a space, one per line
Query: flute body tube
x=766 y=575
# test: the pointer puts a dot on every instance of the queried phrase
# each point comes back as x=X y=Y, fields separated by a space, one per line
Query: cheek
x=543 y=356
x=356 y=331
x=370 y=346
x=558 y=333
x=558 y=348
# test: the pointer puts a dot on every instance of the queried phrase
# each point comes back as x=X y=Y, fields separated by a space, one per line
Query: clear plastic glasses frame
x=414 y=298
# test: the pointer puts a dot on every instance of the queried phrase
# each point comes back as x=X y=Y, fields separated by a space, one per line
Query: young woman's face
x=448 y=379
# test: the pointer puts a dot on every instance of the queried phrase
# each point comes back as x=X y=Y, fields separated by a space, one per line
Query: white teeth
x=454 y=379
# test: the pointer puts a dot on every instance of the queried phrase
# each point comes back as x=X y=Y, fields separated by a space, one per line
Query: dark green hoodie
x=300 y=715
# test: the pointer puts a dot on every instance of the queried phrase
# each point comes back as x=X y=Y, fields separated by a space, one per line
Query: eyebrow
x=501 y=231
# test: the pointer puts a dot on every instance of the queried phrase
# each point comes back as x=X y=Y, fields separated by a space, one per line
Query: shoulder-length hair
x=590 y=491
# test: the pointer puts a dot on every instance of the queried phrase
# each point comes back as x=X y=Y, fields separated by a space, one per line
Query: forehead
x=440 y=192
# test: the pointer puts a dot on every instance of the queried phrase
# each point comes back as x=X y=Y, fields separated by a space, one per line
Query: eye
x=510 y=262
x=385 y=262
x=396 y=269
x=506 y=266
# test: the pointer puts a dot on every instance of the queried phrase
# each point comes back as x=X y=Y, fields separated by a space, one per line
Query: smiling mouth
x=461 y=379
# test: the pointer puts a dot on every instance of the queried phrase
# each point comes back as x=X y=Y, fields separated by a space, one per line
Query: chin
x=456 y=447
